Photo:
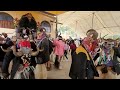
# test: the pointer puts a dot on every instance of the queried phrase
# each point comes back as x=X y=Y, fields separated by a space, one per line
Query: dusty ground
x=64 y=73
x=60 y=74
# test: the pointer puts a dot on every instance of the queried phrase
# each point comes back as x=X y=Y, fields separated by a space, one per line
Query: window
x=6 y=20
x=46 y=25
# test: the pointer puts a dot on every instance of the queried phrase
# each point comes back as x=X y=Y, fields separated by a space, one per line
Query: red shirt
x=25 y=44
x=73 y=46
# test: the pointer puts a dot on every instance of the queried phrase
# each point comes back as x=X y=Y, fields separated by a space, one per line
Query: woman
x=58 y=51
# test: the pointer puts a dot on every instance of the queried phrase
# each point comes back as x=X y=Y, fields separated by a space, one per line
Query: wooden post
x=56 y=27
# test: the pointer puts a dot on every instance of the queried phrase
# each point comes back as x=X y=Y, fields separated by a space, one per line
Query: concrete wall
x=39 y=17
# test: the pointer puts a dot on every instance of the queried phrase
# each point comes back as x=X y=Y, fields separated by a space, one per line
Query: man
x=43 y=57
x=51 y=46
x=82 y=61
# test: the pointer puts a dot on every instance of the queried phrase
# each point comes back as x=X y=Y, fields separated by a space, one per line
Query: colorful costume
x=82 y=61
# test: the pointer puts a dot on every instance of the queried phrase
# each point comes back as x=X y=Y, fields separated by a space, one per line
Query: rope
x=93 y=20
x=65 y=19
x=108 y=27
x=82 y=26
x=86 y=16
x=114 y=19
x=76 y=26
x=87 y=23
x=102 y=23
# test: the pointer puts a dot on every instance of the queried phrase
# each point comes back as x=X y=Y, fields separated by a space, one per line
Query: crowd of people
x=31 y=52
x=93 y=55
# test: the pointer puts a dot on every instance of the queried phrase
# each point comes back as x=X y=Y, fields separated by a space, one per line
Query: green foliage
x=66 y=30
x=114 y=37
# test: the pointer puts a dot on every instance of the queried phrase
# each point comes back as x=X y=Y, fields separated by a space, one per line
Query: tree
x=65 y=30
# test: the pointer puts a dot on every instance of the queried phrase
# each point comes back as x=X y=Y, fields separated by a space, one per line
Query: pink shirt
x=66 y=47
x=59 y=47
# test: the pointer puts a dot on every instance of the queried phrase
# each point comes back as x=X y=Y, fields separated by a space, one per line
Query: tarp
x=104 y=22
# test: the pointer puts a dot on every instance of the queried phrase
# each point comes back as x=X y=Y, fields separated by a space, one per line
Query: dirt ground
x=64 y=73
x=60 y=74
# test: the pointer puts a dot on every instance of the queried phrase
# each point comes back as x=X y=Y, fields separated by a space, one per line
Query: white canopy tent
x=104 y=22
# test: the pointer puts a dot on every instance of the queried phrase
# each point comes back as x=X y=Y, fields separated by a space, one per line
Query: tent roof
x=105 y=22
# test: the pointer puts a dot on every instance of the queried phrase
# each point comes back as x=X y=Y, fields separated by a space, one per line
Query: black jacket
x=81 y=67
x=44 y=56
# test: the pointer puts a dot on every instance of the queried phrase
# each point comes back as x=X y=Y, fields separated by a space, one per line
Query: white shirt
x=77 y=43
